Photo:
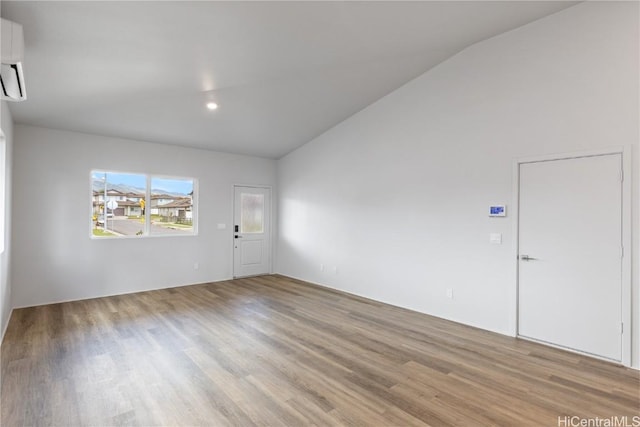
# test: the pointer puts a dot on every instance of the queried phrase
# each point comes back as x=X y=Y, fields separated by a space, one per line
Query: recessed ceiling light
x=212 y=105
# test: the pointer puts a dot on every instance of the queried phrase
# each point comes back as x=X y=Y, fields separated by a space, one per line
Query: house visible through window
x=123 y=206
x=171 y=205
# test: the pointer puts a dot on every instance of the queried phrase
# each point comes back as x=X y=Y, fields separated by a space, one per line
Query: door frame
x=233 y=219
x=626 y=303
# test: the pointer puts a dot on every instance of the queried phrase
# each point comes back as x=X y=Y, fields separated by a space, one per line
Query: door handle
x=238 y=237
x=527 y=258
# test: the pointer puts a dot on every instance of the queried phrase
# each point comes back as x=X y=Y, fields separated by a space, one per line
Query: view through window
x=122 y=206
x=171 y=205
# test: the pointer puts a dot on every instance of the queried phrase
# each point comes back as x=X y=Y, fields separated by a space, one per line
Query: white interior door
x=252 y=231
x=570 y=254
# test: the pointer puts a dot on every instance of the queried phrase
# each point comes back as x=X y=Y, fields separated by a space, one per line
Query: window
x=136 y=205
x=171 y=206
x=252 y=213
x=3 y=180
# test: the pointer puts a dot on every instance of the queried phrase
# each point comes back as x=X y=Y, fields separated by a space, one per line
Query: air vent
x=11 y=75
x=12 y=81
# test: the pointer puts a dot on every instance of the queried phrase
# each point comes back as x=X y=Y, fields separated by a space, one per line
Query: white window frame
x=194 y=206
x=146 y=231
x=3 y=189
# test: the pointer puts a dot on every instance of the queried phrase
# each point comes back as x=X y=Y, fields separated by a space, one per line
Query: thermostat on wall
x=497 y=210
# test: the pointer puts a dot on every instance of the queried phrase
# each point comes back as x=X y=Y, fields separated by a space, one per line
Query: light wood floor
x=276 y=351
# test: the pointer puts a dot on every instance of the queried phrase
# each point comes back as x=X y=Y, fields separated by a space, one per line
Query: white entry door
x=252 y=231
x=570 y=254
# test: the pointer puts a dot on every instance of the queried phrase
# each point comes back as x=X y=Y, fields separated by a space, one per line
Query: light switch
x=495 y=238
x=222 y=226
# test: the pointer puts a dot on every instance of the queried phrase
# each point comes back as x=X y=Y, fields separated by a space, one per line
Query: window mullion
x=147 y=208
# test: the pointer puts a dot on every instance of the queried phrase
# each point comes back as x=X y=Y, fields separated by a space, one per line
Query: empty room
x=320 y=213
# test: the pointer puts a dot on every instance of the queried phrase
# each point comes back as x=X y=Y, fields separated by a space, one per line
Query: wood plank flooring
x=273 y=351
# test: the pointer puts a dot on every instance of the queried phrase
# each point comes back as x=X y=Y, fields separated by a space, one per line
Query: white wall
x=54 y=258
x=5 y=255
x=396 y=197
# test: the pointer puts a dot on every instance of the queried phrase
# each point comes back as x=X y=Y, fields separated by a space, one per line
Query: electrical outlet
x=450 y=293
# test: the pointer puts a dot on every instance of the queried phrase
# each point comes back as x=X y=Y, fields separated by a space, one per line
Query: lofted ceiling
x=281 y=72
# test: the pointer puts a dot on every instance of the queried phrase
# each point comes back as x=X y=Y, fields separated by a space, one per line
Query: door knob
x=527 y=258
x=238 y=237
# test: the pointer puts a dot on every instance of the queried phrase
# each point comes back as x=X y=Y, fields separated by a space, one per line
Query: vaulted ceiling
x=281 y=73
